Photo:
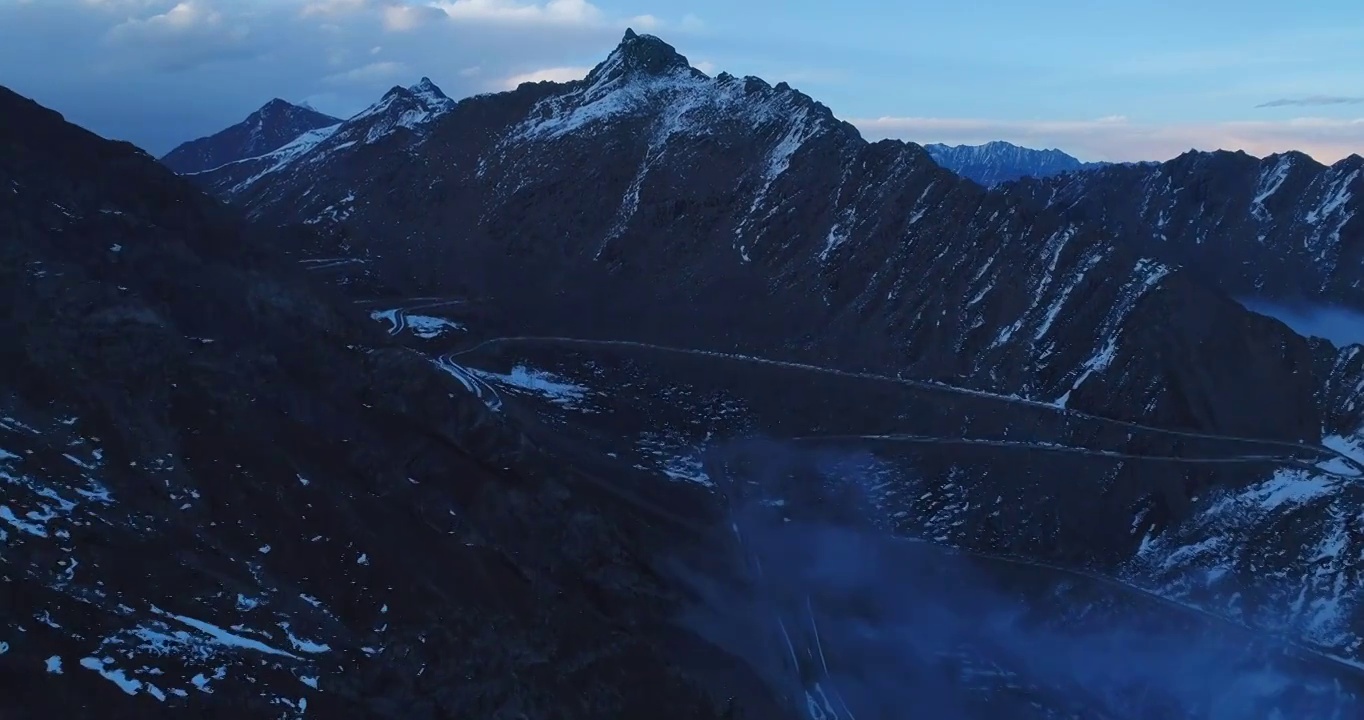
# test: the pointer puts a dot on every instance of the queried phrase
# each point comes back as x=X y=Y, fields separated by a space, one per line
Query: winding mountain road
x=1321 y=451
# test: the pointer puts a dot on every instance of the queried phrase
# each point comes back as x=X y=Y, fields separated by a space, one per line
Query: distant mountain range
x=997 y=162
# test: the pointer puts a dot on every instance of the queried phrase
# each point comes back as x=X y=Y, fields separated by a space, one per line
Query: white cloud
x=553 y=74
x=1117 y=138
x=333 y=8
x=186 y=34
x=376 y=73
x=554 y=12
x=401 y=18
x=645 y=22
x=180 y=19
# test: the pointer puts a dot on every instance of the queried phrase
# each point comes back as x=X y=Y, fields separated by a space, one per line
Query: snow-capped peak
x=427 y=92
x=403 y=107
x=640 y=56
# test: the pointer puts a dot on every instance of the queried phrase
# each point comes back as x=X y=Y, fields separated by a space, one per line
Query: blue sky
x=1102 y=80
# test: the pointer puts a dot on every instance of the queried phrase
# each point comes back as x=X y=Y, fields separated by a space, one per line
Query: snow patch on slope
x=1228 y=559
x=539 y=382
x=1271 y=179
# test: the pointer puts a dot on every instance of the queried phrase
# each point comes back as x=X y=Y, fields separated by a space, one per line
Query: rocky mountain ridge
x=274 y=124
x=1135 y=423
x=1283 y=228
x=998 y=162
x=734 y=190
x=407 y=110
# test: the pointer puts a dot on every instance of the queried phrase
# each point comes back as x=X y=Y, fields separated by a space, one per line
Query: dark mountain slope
x=269 y=128
x=1283 y=228
x=997 y=162
x=651 y=202
x=222 y=497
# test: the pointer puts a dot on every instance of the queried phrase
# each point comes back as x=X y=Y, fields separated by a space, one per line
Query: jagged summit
x=998 y=161
x=426 y=87
x=641 y=55
x=1353 y=161
x=424 y=92
x=266 y=129
x=276 y=105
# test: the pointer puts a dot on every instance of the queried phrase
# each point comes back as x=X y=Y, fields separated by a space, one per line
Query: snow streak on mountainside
x=1284 y=228
x=409 y=110
x=264 y=130
x=727 y=213
x=996 y=162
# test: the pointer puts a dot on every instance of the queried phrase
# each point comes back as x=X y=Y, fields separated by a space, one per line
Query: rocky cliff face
x=1282 y=228
x=728 y=213
x=274 y=124
x=222 y=493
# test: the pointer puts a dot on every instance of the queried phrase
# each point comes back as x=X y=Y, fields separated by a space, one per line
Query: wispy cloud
x=178 y=38
x=371 y=75
x=1314 y=101
x=1118 y=139
x=553 y=74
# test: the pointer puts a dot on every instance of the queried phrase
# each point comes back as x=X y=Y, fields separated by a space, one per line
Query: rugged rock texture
x=1284 y=228
x=997 y=162
x=276 y=123
x=405 y=112
x=221 y=496
x=652 y=202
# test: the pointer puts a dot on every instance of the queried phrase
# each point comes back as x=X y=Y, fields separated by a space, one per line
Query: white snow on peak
x=673 y=104
x=408 y=108
x=285 y=154
x=684 y=100
x=430 y=95
x=411 y=108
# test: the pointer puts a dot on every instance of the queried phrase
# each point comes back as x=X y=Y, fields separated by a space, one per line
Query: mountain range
x=996 y=162
x=545 y=361
x=1284 y=228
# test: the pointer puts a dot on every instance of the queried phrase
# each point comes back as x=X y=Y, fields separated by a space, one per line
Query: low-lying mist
x=1341 y=326
x=849 y=622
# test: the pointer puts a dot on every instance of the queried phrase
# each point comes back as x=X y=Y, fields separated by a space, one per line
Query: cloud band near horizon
x=1117 y=139
x=1313 y=101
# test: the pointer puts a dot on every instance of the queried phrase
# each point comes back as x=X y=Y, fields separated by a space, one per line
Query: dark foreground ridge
x=225 y=497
